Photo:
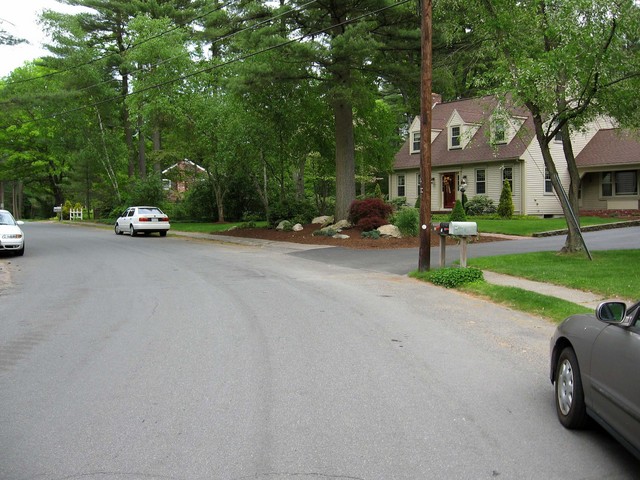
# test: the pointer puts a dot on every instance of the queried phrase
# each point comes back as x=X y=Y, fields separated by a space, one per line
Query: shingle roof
x=478 y=150
x=608 y=147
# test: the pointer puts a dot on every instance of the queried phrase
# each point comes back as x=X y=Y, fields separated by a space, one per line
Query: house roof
x=609 y=147
x=476 y=111
x=184 y=162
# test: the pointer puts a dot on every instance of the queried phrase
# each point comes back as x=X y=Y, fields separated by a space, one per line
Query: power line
x=220 y=65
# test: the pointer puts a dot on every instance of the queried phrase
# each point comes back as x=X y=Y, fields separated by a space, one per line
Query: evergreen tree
x=505 y=206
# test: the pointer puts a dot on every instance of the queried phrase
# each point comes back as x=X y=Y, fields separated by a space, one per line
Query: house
x=479 y=143
x=177 y=179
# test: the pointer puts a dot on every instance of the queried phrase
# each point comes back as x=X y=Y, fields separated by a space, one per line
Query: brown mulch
x=355 y=239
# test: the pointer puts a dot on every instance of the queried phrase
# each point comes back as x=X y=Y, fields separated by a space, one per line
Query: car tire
x=569 y=395
x=117 y=229
x=163 y=233
x=132 y=231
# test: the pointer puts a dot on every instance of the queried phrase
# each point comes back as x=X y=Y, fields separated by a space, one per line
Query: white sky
x=20 y=19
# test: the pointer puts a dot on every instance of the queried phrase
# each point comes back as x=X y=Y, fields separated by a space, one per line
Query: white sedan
x=11 y=235
x=143 y=219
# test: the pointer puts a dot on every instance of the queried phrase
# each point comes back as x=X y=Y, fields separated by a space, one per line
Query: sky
x=20 y=19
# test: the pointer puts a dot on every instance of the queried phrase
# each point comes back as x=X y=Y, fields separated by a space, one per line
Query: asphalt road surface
x=155 y=358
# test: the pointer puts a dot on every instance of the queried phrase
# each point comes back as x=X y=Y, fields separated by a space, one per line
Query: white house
x=482 y=143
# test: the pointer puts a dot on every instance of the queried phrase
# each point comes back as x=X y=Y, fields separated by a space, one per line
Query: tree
x=567 y=62
x=505 y=205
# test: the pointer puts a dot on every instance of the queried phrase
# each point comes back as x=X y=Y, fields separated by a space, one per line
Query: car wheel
x=570 y=404
x=163 y=233
x=117 y=229
x=132 y=231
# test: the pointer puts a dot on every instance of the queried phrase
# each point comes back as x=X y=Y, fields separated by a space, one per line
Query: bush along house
x=480 y=143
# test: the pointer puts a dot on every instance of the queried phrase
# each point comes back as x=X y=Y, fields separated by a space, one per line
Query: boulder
x=324 y=220
x=297 y=228
x=341 y=224
x=283 y=225
x=389 y=231
x=340 y=236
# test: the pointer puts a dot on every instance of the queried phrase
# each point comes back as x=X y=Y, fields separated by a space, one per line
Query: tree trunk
x=128 y=133
x=345 y=158
x=142 y=161
x=572 y=242
x=157 y=146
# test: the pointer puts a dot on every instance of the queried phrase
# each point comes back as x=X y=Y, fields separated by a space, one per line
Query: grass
x=210 y=227
x=609 y=274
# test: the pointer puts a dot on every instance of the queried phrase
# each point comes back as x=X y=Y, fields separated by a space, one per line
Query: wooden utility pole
x=426 y=101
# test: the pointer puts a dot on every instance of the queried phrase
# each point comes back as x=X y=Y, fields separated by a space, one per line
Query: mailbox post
x=458 y=229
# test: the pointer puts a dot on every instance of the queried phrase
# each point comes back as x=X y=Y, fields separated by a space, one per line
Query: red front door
x=448 y=190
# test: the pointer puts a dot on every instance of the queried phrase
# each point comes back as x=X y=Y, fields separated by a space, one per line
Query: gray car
x=595 y=365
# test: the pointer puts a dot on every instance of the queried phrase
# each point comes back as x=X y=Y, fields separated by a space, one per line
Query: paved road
x=402 y=261
x=171 y=358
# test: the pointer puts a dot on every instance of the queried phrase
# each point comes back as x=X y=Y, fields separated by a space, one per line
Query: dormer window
x=415 y=142
x=454 y=137
x=500 y=132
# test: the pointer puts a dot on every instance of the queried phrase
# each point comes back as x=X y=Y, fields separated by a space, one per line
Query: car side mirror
x=611 y=312
x=19 y=222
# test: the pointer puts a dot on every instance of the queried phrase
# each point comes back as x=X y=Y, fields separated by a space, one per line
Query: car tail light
x=164 y=219
x=144 y=219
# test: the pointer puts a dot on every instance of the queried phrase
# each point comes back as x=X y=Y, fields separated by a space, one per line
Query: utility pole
x=426 y=101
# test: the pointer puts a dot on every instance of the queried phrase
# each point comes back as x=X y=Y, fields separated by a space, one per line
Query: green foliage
x=408 y=221
x=296 y=211
x=398 y=203
x=454 y=277
x=373 y=234
x=325 y=232
x=457 y=214
x=480 y=205
x=418 y=201
x=378 y=192
x=505 y=206
x=147 y=191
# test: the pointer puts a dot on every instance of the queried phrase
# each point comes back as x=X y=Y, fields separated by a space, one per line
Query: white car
x=143 y=219
x=11 y=235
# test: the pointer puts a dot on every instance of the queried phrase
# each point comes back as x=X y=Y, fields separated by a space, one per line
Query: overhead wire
x=220 y=65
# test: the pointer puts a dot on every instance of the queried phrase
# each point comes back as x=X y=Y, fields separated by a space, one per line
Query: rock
x=341 y=224
x=283 y=225
x=324 y=220
x=341 y=236
x=297 y=228
x=389 y=231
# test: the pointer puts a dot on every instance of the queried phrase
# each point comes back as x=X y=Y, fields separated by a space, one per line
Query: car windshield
x=6 y=219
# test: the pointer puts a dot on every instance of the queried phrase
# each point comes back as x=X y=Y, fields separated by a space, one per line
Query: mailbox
x=443 y=228
x=463 y=229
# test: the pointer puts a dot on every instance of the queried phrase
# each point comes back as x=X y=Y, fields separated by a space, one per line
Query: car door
x=126 y=219
x=615 y=360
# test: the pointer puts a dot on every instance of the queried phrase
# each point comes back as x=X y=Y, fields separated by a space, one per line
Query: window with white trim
x=401 y=185
x=507 y=174
x=415 y=142
x=548 y=186
x=419 y=183
x=454 y=137
x=481 y=181
x=500 y=131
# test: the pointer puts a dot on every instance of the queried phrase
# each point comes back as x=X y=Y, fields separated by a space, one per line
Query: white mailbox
x=463 y=229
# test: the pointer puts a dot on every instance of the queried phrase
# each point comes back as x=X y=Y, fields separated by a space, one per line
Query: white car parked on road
x=143 y=219
x=11 y=235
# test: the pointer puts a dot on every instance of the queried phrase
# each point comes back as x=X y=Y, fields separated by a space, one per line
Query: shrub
x=325 y=232
x=454 y=277
x=377 y=193
x=457 y=214
x=408 y=221
x=398 y=203
x=371 y=223
x=480 y=205
x=295 y=211
x=369 y=208
x=374 y=234
x=505 y=207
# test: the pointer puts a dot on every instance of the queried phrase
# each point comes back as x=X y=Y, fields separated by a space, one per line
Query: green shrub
x=457 y=214
x=408 y=221
x=398 y=203
x=480 y=205
x=374 y=234
x=325 y=232
x=454 y=277
x=295 y=211
x=378 y=192
x=505 y=207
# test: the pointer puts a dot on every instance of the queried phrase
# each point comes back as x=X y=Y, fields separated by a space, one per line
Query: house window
x=455 y=137
x=415 y=145
x=620 y=183
x=507 y=174
x=166 y=184
x=481 y=182
x=548 y=187
x=401 y=191
x=419 y=183
x=500 y=131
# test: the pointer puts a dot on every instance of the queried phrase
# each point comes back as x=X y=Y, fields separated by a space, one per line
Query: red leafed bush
x=370 y=223
x=369 y=208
